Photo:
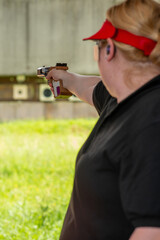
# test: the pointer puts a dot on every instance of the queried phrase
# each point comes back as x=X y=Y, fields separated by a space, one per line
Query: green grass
x=37 y=160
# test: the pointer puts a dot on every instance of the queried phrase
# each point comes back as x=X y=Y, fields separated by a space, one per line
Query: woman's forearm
x=146 y=233
x=78 y=84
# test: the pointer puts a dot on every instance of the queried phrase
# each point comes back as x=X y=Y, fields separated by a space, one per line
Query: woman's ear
x=110 y=49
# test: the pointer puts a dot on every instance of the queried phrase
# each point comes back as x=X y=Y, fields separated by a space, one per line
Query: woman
x=116 y=193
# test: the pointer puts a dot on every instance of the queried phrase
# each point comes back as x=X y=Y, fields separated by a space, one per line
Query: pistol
x=59 y=90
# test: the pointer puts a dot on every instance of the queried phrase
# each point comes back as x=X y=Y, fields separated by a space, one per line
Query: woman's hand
x=55 y=74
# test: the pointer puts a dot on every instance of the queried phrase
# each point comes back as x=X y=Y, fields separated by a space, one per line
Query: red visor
x=109 y=31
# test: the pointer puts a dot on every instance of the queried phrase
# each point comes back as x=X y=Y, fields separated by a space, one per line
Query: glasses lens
x=96 y=53
x=99 y=44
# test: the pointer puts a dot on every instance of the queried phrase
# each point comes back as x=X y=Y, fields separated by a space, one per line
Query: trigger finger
x=50 y=83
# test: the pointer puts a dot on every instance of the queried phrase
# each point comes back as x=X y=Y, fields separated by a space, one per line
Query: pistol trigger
x=49 y=82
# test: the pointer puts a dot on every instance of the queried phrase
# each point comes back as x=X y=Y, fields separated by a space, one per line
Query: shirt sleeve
x=101 y=97
x=140 y=178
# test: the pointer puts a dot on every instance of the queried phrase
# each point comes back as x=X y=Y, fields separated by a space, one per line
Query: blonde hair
x=140 y=17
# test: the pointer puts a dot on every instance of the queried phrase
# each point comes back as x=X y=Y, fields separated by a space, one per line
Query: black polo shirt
x=117 y=173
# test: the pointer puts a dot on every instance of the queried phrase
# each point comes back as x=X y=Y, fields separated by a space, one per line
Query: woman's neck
x=130 y=77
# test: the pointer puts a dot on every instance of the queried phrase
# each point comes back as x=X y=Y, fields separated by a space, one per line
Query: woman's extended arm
x=146 y=233
x=81 y=86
